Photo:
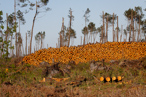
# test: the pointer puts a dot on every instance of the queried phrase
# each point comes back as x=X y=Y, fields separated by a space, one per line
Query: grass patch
x=28 y=76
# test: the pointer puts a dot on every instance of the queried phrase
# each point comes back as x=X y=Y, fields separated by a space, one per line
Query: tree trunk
x=130 y=33
x=61 y=37
x=121 y=33
x=107 y=29
x=85 y=20
x=133 y=39
x=84 y=40
x=113 y=29
x=11 y=46
x=16 y=26
x=19 y=53
x=94 y=36
x=130 y=27
x=103 y=34
x=19 y=47
x=7 y=37
x=32 y=28
x=41 y=41
x=135 y=33
x=89 y=37
x=138 y=31
x=63 y=31
x=117 y=30
x=70 y=28
x=84 y=33
x=22 y=49
x=60 y=45
x=13 y=51
x=26 y=45
x=87 y=40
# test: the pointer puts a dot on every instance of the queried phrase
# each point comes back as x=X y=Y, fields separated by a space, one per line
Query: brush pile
x=107 y=51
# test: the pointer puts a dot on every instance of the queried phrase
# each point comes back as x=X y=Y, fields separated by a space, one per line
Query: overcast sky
x=51 y=21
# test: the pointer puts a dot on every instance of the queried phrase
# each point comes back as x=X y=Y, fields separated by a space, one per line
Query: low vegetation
x=121 y=77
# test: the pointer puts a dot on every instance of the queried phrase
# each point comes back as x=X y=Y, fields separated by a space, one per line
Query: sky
x=51 y=21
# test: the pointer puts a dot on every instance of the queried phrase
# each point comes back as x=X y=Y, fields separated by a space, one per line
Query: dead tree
x=62 y=34
x=22 y=48
x=33 y=26
x=26 y=45
x=19 y=40
x=117 y=30
x=6 y=38
x=138 y=30
x=11 y=46
x=70 y=27
x=121 y=33
x=103 y=32
x=15 y=26
x=84 y=40
x=113 y=29
x=130 y=26
x=106 y=29
x=135 y=27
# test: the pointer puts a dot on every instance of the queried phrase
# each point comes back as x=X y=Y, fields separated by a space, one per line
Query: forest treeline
x=10 y=28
